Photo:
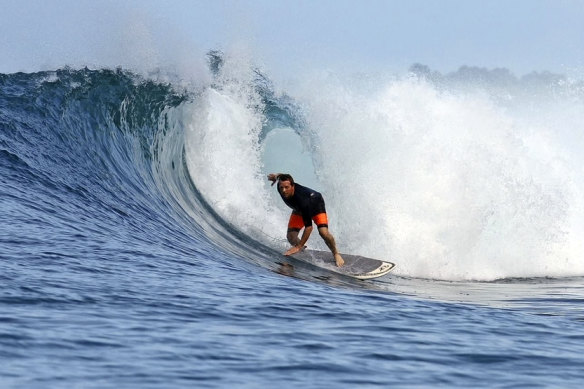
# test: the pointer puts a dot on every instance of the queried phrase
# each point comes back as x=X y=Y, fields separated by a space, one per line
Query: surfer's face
x=287 y=189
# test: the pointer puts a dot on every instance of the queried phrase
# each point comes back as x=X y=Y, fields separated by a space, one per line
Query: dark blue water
x=116 y=272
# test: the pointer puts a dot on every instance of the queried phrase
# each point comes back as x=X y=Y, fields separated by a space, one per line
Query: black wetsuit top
x=305 y=202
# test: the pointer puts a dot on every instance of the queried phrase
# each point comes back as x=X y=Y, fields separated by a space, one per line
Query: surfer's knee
x=292 y=237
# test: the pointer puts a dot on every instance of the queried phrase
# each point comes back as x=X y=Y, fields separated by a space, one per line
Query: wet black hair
x=286 y=177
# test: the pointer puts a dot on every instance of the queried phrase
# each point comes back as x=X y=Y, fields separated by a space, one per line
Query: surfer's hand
x=293 y=250
x=339 y=260
x=273 y=177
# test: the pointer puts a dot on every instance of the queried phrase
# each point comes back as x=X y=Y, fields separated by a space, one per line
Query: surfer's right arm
x=274 y=177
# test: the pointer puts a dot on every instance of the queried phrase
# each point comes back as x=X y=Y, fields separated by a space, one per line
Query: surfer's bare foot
x=339 y=260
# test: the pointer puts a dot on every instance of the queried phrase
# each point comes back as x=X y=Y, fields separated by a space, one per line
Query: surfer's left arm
x=303 y=240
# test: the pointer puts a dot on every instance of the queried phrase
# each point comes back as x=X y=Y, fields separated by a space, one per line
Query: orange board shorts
x=296 y=222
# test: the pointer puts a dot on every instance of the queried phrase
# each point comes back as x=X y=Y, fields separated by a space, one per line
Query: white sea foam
x=223 y=153
x=450 y=185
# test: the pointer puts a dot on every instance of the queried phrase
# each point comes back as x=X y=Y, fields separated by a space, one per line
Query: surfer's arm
x=300 y=246
x=305 y=236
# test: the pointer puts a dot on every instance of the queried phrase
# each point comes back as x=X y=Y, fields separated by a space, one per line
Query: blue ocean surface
x=120 y=266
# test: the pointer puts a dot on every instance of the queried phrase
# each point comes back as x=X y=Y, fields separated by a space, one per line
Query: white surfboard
x=355 y=266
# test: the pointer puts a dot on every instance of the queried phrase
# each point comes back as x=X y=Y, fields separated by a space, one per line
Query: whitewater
x=141 y=241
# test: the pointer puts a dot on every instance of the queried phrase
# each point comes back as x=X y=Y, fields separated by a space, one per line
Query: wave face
x=78 y=150
x=450 y=179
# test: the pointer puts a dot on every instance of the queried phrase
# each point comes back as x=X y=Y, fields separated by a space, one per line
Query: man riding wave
x=307 y=205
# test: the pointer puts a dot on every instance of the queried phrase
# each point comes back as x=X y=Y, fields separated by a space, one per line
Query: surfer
x=307 y=205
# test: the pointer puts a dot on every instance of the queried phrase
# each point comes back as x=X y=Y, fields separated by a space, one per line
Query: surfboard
x=355 y=266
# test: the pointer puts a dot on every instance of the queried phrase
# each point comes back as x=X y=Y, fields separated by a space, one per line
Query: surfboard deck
x=355 y=266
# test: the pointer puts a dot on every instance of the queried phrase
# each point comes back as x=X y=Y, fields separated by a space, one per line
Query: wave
x=451 y=182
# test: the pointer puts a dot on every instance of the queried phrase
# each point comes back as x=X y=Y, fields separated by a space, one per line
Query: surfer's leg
x=292 y=237
x=295 y=224
x=329 y=239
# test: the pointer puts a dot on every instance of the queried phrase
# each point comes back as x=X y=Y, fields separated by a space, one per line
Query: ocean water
x=140 y=241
